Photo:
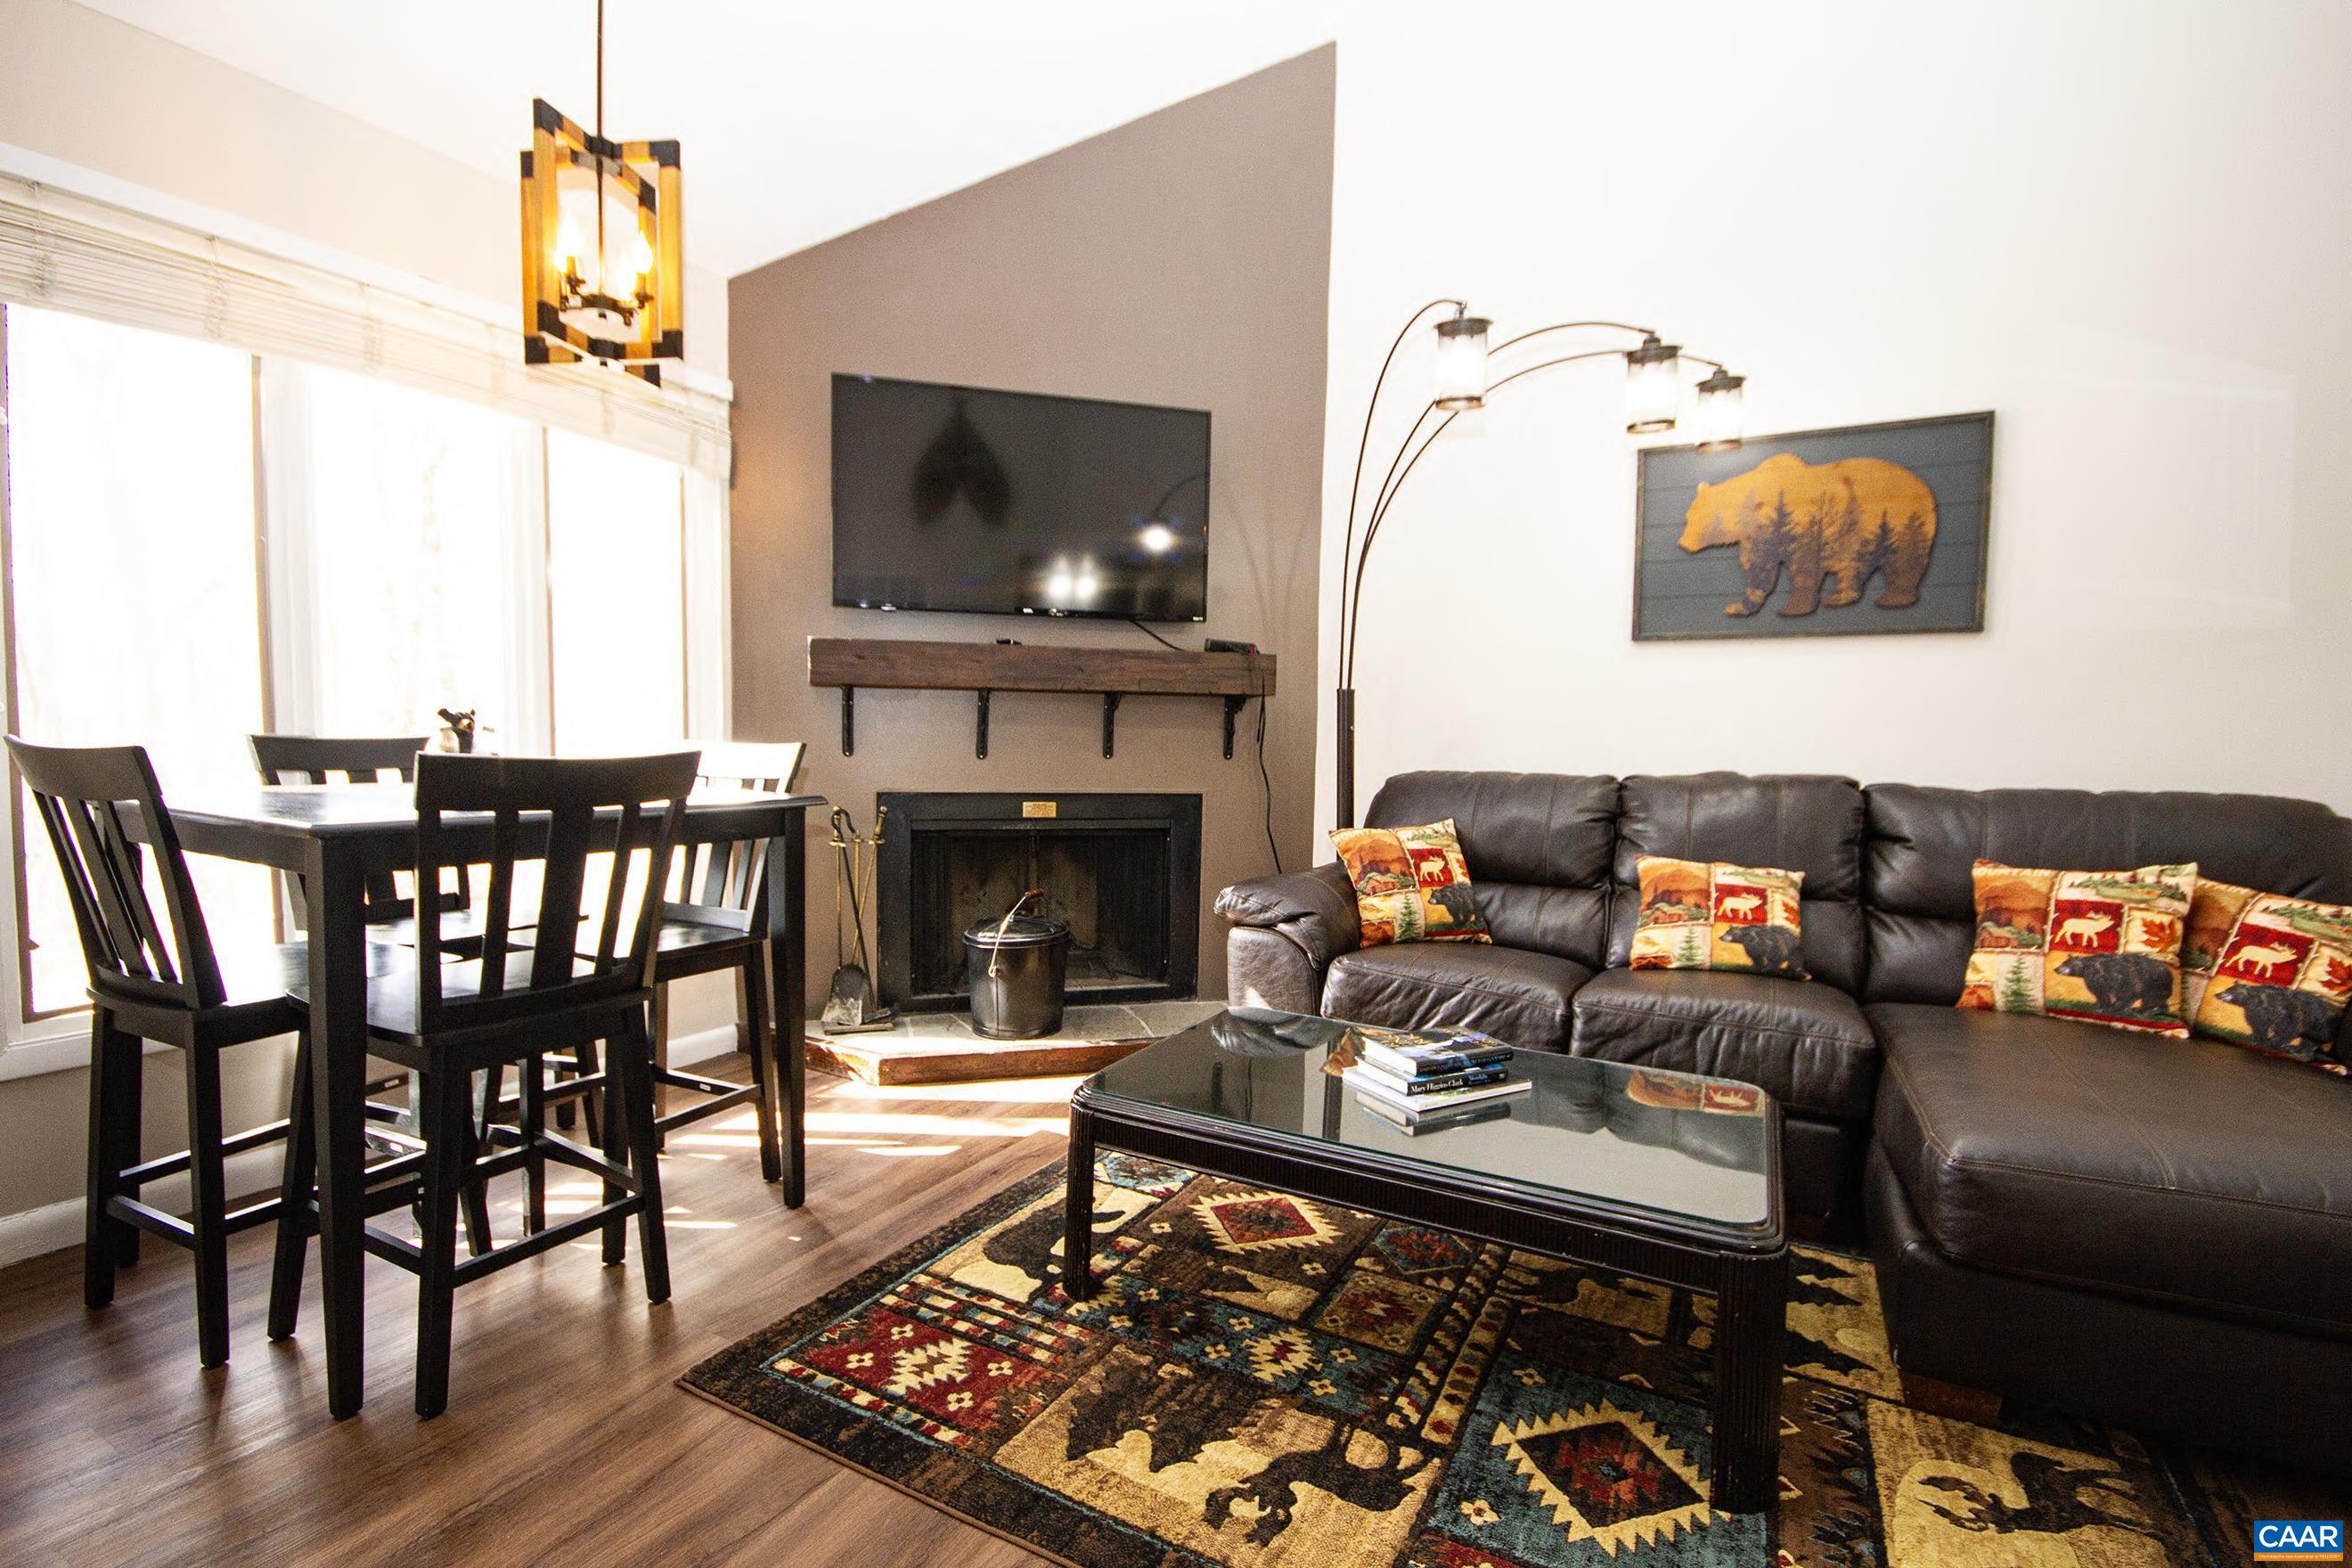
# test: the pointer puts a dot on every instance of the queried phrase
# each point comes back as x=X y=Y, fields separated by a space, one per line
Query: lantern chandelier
x=604 y=272
x=1463 y=377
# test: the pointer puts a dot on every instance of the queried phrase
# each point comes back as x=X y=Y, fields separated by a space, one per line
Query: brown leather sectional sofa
x=2153 y=1231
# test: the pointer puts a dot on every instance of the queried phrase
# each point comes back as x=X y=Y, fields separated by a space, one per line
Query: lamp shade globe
x=1718 y=419
x=1461 y=365
x=1654 y=387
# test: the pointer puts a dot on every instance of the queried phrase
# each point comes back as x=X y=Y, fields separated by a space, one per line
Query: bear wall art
x=1871 y=528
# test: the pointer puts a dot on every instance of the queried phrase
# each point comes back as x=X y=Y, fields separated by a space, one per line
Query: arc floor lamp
x=1462 y=368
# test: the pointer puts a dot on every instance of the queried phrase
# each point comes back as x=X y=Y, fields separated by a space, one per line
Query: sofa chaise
x=2144 y=1229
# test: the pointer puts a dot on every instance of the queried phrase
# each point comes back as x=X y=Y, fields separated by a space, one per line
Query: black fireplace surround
x=1123 y=869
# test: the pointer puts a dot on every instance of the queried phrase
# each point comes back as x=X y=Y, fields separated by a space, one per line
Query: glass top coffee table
x=1666 y=1175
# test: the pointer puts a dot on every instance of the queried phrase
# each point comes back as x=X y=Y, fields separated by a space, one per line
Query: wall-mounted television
x=964 y=497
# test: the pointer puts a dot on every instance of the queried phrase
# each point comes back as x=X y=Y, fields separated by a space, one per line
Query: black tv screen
x=961 y=498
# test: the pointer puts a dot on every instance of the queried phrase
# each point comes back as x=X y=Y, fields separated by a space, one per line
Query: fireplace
x=1123 y=869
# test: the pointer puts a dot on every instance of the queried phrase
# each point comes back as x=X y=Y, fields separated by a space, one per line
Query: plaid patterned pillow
x=2268 y=972
x=1706 y=914
x=2103 y=947
x=1411 y=884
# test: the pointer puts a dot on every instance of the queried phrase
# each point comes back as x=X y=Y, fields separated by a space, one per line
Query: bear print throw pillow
x=2103 y=947
x=1411 y=884
x=2268 y=972
x=1706 y=914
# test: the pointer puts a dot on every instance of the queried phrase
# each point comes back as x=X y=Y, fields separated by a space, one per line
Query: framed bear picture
x=1868 y=529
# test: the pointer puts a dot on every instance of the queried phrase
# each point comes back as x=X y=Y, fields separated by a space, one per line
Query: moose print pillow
x=1704 y=914
x=1411 y=884
x=2268 y=972
x=2103 y=947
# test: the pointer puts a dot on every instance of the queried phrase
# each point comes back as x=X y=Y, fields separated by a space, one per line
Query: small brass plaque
x=1041 y=808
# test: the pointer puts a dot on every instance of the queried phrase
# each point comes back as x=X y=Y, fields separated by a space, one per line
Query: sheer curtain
x=133 y=582
x=616 y=597
x=399 y=511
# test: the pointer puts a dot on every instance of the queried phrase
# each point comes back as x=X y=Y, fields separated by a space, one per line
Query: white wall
x=79 y=86
x=2127 y=230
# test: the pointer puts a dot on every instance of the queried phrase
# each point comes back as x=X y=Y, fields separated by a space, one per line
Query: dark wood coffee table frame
x=1746 y=1269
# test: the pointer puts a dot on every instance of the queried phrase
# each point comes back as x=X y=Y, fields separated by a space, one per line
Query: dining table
x=336 y=837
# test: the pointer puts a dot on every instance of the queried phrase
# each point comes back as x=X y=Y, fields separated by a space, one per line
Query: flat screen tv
x=962 y=498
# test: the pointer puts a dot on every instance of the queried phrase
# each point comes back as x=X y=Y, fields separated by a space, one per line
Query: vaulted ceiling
x=798 y=120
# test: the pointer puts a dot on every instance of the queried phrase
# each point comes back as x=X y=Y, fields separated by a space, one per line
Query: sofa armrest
x=1315 y=909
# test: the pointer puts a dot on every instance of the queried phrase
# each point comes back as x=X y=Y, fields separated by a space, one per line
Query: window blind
x=63 y=252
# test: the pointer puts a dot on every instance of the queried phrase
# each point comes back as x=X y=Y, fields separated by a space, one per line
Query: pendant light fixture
x=604 y=269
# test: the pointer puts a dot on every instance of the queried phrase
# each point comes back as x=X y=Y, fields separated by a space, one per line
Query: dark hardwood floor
x=564 y=1438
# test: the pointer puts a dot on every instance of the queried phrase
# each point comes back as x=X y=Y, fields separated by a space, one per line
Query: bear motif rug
x=1265 y=1381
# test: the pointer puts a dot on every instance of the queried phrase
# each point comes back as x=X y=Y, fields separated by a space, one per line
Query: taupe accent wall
x=1179 y=259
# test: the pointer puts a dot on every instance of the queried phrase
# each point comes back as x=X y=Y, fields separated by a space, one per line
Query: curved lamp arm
x=1364 y=442
x=1409 y=453
x=1389 y=488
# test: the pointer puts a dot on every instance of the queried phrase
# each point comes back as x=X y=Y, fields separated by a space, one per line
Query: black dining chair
x=390 y=912
x=449 y=1020
x=154 y=975
x=719 y=922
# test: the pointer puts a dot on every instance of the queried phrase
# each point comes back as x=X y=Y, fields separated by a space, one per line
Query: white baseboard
x=684 y=1050
x=54 y=1227
x=33 y=1232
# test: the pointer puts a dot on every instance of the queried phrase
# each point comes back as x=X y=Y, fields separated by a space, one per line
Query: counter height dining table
x=335 y=836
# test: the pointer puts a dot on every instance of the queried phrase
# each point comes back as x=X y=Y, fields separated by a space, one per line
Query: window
x=403 y=551
x=133 y=584
x=398 y=593
x=616 y=597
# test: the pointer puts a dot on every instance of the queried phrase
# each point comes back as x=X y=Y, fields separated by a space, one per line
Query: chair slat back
x=347 y=759
x=545 y=809
x=81 y=794
x=725 y=884
x=335 y=759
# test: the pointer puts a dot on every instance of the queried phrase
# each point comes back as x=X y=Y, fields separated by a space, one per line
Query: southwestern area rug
x=1263 y=1381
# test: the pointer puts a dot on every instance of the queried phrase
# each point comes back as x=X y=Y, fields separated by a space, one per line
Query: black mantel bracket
x=986 y=668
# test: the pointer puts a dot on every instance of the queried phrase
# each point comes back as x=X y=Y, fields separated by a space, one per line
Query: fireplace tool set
x=852 y=1007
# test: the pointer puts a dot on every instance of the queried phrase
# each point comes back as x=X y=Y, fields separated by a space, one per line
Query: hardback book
x=1382 y=1087
x=1408 y=1058
x=1414 y=1122
x=1430 y=1083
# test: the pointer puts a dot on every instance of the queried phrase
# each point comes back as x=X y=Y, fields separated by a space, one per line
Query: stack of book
x=1422 y=1084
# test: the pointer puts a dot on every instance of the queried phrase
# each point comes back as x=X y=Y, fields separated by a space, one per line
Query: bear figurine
x=2128 y=984
x=1771 y=949
x=2291 y=1023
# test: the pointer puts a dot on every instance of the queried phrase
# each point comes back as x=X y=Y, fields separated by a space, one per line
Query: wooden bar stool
x=159 y=978
x=449 y=1020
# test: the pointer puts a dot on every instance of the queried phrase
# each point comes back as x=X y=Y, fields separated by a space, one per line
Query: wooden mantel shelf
x=909 y=665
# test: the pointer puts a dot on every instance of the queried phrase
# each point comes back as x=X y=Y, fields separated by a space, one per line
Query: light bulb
x=1654 y=387
x=1461 y=364
x=1157 y=538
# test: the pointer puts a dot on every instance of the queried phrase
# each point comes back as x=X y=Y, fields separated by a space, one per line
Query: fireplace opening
x=1123 y=871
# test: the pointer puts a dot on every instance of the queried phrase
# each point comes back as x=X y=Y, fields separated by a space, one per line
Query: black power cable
x=1264 y=778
